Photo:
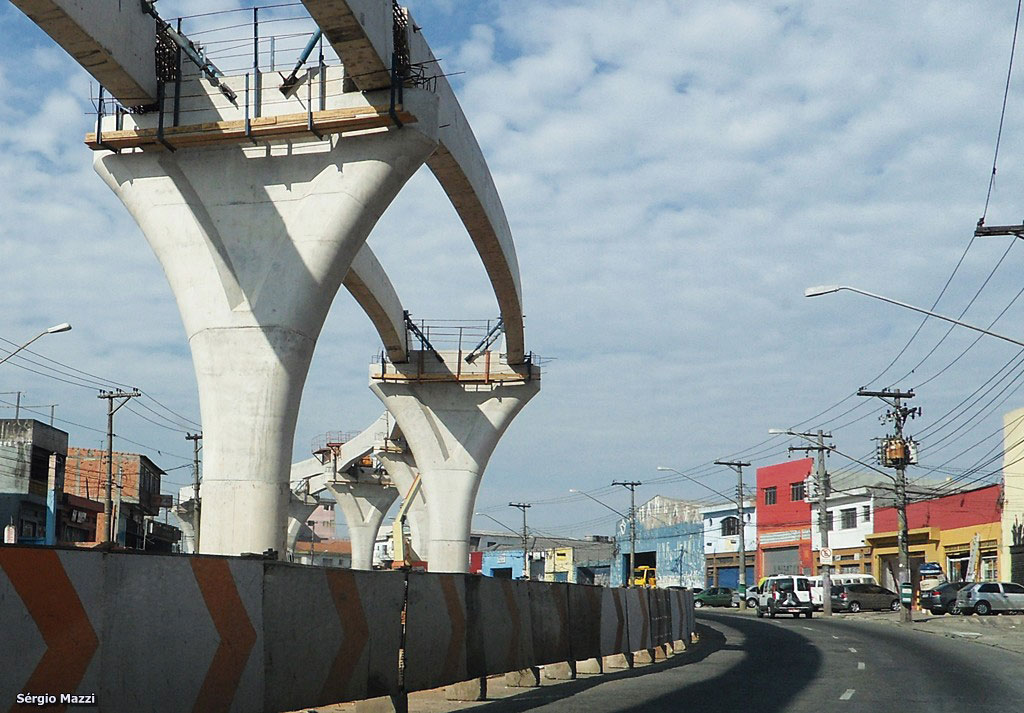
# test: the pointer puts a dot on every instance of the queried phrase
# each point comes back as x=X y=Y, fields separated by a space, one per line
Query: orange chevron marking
x=645 y=620
x=513 y=614
x=39 y=578
x=237 y=635
x=355 y=633
x=457 y=618
x=620 y=621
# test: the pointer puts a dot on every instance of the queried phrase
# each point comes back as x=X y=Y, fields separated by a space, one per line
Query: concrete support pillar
x=299 y=510
x=452 y=414
x=401 y=469
x=364 y=505
x=255 y=240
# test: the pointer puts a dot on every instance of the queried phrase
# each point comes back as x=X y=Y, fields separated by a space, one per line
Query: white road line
x=860 y=665
x=834 y=636
x=847 y=695
x=853 y=650
x=808 y=628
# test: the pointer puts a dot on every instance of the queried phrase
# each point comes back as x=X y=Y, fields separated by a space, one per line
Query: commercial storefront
x=961 y=532
x=784 y=519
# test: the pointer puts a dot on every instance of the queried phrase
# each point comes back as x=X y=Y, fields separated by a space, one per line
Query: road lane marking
x=860 y=665
x=834 y=636
x=853 y=650
x=847 y=695
x=808 y=628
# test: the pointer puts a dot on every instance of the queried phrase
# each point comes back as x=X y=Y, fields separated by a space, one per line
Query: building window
x=848 y=518
x=988 y=568
x=866 y=513
x=769 y=496
x=730 y=526
x=797 y=491
x=830 y=520
x=328 y=506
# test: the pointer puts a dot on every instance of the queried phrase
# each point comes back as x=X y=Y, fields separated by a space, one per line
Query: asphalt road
x=748 y=665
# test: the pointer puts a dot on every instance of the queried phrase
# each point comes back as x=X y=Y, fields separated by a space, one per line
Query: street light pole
x=631 y=485
x=741 y=582
x=62 y=327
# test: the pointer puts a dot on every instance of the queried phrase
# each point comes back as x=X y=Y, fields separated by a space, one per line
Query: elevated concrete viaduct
x=258 y=212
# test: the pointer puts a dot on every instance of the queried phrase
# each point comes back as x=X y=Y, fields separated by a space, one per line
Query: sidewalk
x=1004 y=631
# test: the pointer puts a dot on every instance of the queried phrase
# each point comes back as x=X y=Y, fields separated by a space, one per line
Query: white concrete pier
x=364 y=504
x=255 y=238
x=401 y=468
x=452 y=415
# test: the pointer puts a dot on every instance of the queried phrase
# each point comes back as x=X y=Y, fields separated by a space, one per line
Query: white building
x=850 y=519
x=722 y=542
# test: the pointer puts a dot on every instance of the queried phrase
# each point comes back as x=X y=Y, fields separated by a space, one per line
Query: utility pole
x=526 y=564
x=895 y=452
x=108 y=502
x=741 y=585
x=195 y=438
x=632 y=486
x=823 y=488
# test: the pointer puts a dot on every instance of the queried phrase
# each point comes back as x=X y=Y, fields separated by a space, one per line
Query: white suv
x=785 y=594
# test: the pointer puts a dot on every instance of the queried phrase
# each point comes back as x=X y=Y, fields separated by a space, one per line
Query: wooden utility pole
x=108 y=502
x=895 y=453
x=741 y=582
x=822 y=483
x=631 y=485
x=526 y=564
x=195 y=438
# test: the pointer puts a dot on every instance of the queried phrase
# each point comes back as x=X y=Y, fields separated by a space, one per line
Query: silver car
x=990 y=597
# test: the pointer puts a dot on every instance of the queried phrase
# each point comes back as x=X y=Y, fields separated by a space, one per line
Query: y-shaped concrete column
x=401 y=467
x=300 y=507
x=452 y=415
x=364 y=504
x=255 y=240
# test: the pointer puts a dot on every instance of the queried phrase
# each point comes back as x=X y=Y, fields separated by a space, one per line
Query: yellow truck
x=644 y=576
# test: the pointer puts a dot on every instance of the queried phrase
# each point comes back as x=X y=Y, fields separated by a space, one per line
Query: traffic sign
x=826 y=555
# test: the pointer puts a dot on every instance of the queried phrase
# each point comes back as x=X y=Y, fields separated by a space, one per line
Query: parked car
x=714 y=597
x=857 y=597
x=942 y=599
x=990 y=598
x=836 y=579
x=785 y=594
x=752 y=597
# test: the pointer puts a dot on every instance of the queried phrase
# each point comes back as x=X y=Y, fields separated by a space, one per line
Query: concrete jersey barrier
x=147 y=632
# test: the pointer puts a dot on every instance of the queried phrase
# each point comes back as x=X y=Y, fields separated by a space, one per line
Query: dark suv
x=855 y=597
x=942 y=599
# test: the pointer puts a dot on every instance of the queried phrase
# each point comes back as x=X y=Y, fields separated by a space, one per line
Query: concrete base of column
x=643 y=657
x=384 y=704
x=618 y=661
x=526 y=678
x=592 y=666
x=473 y=690
x=565 y=671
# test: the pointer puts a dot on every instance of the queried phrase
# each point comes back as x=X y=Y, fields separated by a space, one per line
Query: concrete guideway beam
x=452 y=415
x=364 y=504
x=369 y=284
x=362 y=34
x=255 y=242
x=111 y=40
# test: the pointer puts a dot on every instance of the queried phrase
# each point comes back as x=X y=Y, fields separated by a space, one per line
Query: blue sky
x=675 y=174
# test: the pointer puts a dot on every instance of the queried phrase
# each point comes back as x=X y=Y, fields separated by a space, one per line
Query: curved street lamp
x=62 y=327
x=829 y=289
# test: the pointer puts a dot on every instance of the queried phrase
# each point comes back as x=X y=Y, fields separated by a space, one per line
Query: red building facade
x=784 y=519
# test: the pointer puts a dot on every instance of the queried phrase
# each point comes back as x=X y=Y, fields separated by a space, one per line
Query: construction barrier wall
x=147 y=632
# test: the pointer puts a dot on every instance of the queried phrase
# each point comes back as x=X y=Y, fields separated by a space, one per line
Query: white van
x=837 y=579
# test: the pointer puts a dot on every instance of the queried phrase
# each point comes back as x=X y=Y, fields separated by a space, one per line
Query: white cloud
x=674 y=174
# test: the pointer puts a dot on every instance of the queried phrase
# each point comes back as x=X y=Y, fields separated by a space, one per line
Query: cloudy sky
x=675 y=174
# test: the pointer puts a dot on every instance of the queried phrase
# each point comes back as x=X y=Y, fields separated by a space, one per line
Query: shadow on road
x=778 y=664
